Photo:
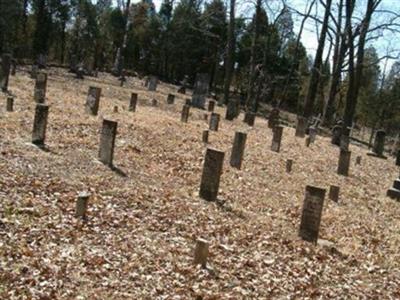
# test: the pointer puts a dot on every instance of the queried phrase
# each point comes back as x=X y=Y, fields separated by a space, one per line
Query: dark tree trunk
x=230 y=52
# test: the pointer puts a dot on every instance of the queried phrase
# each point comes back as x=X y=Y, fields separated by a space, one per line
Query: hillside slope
x=141 y=231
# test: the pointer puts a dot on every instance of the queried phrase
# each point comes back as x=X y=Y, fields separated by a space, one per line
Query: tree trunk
x=119 y=58
x=315 y=73
x=230 y=52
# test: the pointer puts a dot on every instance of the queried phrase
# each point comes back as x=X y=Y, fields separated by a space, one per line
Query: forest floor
x=139 y=239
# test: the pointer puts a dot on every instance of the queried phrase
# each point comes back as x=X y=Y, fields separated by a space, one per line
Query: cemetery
x=172 y=201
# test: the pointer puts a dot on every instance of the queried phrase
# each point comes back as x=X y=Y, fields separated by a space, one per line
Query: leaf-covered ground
x=139 y=239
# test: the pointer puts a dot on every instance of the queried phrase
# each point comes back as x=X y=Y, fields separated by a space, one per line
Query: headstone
x=40 y=124
x=107 y=142
x=210 y=178
x=308 y=141
x=185 y=113
x=232 y=109
x=393 y=193
x=81 y=205
x=336 y=134
x=154 y=102
x=93 y=100
x=214 y=121
x=379 y=143
x=358 y=160
x=205 y=136
x=182 y=90
x=239 y=143
x=211 y=105
x=277 y=138
x=344 y=162
x=115 y=109
x=122 y=80
x=133 y=102
x=200 y=90
x=201 y=253
x=10 y=104
x=312 y=132
x=40 y=87
x=153 y=82
x=301 y=126
x=334 y=193
x=34 y=71
x=249 y=118
x=311 y=214
x=171 y=99
x=289 y=164
x=5 y=71
x=273 y=119
x=398 y=158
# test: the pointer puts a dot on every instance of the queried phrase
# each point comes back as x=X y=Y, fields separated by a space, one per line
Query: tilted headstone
x=289 y=165
x=185 y=113
x=301 y=126
x=201 y=253
x=334 y=193
x=40 y=124
x=277 y=138
x=170 y=99
x=133 y=102
x=273 y=119
x=40 y=87
x=211 y=175
x=239 y=144
x=249 y=118
x=344 y=162
x=336 y=135
x=153 y=82
x=107 y=142
x=93 y=100
x=311 y=214
x=10 y=104
x=211 y=105
x=200 y=90
x=205 y=136
x=214 y=121
x=5 y=71
x=81 y=205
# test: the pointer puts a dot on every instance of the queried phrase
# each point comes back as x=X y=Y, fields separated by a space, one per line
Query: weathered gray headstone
x=211 y=105
x=10 y=104
x=201 y=253
x=107 y=142
x=289 y=164
x=301 y=126
x=311 y=214
x=200 y=90
x=185 y=113
x=276 y=138
x=273 y=119
x=40 y=124
x=249 y=118
x=336 y=135
x=379 y=144
x=34 y=71
x=205 y=136
x=5 y=71
x=344 y=162
x=210 y=178
x=214 y=121
x=153 y=82
x=81 y=205
x=133 y=102
x=171 y=99
x=40 y=87
x=334 y=193
x=239 y=144
x=93 y=100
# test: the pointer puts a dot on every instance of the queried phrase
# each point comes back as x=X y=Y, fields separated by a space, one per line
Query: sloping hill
x=143 y=221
